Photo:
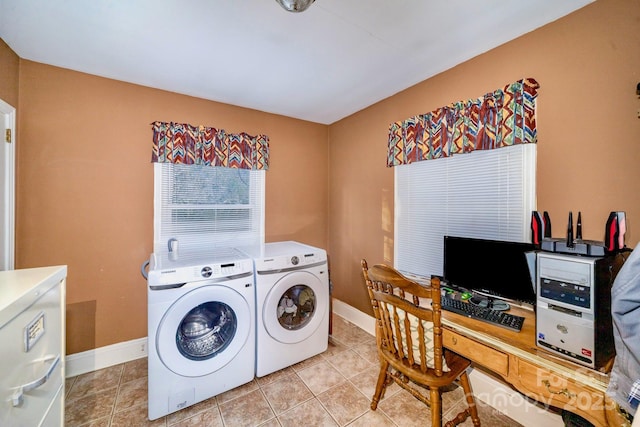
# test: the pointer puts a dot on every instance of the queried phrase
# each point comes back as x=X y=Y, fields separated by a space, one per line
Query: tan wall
x=85 y=193
x=588 y=134
x=9 y=74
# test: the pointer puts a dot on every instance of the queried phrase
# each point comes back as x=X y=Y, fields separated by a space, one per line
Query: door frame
x=8 y=190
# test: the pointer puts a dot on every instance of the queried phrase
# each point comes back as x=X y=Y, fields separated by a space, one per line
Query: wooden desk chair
x=409 y=340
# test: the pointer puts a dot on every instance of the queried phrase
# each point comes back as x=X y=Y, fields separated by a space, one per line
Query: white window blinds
x=205 y=207
x=483 y=194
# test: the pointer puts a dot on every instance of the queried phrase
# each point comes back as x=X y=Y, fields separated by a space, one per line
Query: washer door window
x=206 y=330
x=295 y=307
x=203 y=330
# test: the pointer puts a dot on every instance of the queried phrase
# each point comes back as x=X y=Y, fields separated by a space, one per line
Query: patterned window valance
x=501 y=118
x=200 y=145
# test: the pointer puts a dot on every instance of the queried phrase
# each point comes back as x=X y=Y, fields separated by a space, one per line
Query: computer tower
x=573 y=302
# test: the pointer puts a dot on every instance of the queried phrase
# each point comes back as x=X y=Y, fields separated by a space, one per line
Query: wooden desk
x=532 y=371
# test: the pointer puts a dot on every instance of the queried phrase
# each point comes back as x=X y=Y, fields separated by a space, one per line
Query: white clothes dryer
x=201 y=327
x=292 y=305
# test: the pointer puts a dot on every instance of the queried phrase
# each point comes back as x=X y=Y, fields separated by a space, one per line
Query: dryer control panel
x=281 y=256
x=306 y=259
x=283 y=262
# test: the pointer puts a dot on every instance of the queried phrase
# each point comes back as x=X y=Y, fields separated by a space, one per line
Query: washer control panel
x=228 y=269
x=167 y=274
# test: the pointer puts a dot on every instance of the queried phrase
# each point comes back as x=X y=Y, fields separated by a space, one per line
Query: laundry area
x=219 y=318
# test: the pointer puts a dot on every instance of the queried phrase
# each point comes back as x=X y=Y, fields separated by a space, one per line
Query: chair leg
x=381 y=385
x=471 y=402
x=436 y=407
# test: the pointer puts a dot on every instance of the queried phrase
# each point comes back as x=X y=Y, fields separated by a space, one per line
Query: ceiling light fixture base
x=295 y=5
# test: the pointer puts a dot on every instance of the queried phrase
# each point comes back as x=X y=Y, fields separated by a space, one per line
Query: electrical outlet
x=143 y=348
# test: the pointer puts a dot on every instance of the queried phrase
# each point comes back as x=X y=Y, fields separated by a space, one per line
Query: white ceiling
x=321 y=65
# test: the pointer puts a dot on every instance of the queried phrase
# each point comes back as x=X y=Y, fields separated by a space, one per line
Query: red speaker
x=537 y=228
x=614 y=232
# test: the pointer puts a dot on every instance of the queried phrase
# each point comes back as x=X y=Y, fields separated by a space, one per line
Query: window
x=483 y=194
x=204 y=206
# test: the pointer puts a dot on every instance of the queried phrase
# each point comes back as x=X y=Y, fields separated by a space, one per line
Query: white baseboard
x=487 y=389
x=103 y=357
x=355 y=316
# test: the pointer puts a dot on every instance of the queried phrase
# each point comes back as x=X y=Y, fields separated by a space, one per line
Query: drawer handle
x=454 y=340
x=564 y=391
x=18 y=396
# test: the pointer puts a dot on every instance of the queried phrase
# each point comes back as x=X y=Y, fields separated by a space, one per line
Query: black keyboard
x=495 y=317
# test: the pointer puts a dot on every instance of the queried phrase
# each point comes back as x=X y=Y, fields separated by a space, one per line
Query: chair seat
x=457 y=365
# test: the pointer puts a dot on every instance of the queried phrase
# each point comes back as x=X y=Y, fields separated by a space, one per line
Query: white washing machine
x=292 y=304
x=201 y=320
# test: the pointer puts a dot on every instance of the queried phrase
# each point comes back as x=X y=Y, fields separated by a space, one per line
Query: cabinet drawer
x=557 y=390
x=481 y=354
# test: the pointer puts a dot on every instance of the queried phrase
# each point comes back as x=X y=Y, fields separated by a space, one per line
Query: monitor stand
x=490 y=303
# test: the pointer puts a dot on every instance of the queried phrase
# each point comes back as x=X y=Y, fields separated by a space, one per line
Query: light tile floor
x=331 y=389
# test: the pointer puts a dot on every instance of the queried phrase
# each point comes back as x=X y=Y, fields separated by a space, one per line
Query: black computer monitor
x=489 y=267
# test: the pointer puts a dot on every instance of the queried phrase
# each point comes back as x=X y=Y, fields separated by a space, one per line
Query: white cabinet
x=32 y=343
